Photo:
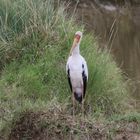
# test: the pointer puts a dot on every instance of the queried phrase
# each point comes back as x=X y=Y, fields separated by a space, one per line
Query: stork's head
x=77 y=40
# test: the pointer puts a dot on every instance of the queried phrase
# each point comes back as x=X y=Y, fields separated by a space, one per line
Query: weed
x=35 y=39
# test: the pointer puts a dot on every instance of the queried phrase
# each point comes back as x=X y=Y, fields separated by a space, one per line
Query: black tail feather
x=78 y=98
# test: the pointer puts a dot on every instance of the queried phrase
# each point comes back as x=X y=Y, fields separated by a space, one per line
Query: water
x=118 y=28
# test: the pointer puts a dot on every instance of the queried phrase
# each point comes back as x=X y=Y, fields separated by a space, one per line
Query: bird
x=77 y=71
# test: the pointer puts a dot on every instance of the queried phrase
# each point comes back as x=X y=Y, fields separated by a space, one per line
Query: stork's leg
x=73 y=101
x=82 y=102
x=83 y=107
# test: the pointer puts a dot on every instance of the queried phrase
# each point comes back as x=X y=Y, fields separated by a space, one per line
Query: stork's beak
x=75 y=42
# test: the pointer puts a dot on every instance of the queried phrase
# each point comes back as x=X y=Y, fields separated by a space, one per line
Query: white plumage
x=77 y=70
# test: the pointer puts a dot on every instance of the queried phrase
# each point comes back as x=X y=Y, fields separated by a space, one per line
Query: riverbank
x=116 y=27
x=34 y=93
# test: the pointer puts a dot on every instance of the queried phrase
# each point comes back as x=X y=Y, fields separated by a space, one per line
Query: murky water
x=118 y=28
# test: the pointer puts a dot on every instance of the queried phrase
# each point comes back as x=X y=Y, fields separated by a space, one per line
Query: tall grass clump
x=28 y=27
x=35 y=39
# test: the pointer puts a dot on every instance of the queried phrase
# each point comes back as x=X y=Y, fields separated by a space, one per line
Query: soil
x=56 y=125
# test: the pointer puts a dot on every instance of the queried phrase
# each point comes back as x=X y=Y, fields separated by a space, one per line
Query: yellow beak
x=75 y=42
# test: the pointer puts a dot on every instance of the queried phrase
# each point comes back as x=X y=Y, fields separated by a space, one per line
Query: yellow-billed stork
x=77 y=70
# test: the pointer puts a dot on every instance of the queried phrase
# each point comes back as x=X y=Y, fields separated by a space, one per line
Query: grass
x=35 y=39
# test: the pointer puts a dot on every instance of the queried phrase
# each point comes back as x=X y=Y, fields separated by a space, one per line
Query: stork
x=77 y=71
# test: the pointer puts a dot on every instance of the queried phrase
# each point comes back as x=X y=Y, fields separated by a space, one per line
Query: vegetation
x=120 y=2
x=35 y=39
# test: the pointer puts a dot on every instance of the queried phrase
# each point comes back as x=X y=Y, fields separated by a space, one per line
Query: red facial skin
x=77 y=37
x=75 y=42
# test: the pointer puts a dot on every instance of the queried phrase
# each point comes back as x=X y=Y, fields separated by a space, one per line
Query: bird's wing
x=84 y=76
x=85 y=67
x=67 y=65
x=68 y=73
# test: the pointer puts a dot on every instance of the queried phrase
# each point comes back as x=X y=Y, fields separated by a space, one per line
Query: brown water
x=118 y=28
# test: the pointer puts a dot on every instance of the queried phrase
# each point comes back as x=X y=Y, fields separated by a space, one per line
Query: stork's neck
x=76 y=50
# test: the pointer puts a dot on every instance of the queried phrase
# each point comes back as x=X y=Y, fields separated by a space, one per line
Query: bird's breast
x=75 y=67
x=76 y=78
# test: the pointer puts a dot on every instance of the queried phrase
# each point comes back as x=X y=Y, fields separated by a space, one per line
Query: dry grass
x=56 y=123
x=34 y=45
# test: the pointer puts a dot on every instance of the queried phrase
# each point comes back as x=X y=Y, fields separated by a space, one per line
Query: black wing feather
x=84 y=81
x=68 y=72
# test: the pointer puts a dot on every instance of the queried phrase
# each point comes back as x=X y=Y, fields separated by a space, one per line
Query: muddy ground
x=57 y=125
